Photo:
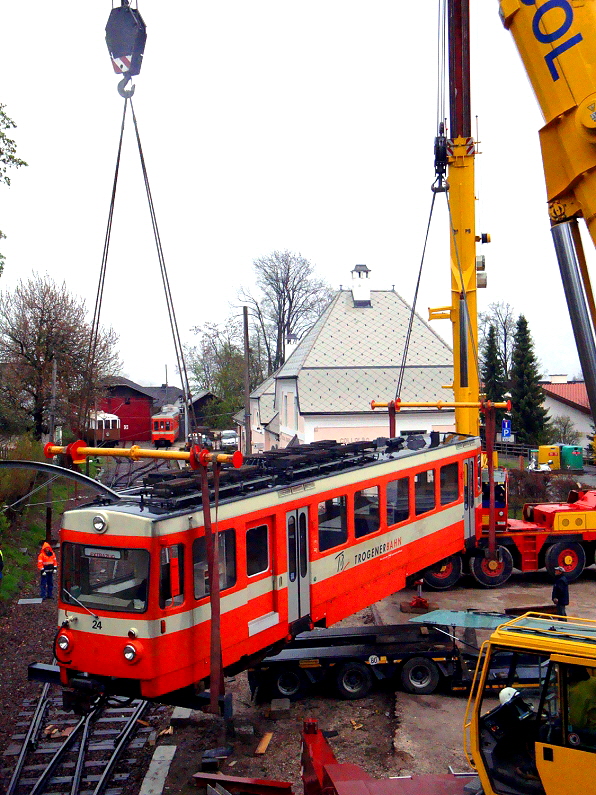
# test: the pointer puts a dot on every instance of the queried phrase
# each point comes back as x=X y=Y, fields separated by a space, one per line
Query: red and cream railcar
x=165 y=427
x=134 y=597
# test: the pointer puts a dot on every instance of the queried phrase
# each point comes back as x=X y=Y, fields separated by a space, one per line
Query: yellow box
x=550 y=454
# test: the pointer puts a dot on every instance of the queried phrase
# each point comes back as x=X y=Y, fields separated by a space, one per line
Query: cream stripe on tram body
x=134 y=596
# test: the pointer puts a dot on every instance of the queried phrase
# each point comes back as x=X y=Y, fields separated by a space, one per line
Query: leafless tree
x=563 y=430
x=287 y=299
x=503 y=317
x=8 y=157
x=41 y=322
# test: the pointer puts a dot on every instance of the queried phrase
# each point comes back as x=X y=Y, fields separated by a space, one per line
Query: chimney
x=291 y=344
x=558 y=378
x=361 y=286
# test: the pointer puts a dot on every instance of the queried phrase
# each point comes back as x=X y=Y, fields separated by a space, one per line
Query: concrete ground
x=429 y=736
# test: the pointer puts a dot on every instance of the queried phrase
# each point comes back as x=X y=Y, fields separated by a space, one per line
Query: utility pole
x=247 y=430
x=52 y=426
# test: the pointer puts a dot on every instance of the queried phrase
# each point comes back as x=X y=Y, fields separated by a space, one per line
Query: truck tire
x=353 y=680
x=288 y=682
x=568 y=554
x=443 y=574
x=419 y=675
x=491 y=574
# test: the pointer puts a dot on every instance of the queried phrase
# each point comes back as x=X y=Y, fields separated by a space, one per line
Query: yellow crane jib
x=78 y=451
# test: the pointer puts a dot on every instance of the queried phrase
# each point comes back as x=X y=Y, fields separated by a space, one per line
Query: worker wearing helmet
x=47 y=565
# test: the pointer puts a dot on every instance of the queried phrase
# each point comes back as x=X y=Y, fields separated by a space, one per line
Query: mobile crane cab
x=538 y=739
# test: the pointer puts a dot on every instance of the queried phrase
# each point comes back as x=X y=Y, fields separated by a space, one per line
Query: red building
x=133 y=404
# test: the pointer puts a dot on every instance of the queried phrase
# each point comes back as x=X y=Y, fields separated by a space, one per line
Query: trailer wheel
x=443 y=574
x=354 y=680
x=569 y=555
x=289 y=683
x=419 y=675
x=492 y=573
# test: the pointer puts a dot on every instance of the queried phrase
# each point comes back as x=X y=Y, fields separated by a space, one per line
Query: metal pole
x=569 y=254
x=247 y=429
x=52 y=424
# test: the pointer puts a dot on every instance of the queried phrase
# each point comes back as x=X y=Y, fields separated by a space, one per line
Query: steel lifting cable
x=402 y=369
x=438 y=185
x=83 y=415
x=166 y=284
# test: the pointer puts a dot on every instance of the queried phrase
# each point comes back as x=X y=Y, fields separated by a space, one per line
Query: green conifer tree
x=492 y=373
x=529 y=419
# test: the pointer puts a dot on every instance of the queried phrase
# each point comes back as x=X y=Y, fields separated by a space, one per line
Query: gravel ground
x=387 y=733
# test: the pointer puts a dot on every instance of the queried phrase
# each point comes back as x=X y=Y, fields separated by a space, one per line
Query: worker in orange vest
x=47 y=565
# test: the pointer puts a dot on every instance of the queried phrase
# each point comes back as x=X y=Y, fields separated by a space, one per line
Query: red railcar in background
x=165 y=427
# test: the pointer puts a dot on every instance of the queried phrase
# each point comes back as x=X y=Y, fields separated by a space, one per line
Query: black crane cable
x=84 y=409
x=94 y=337
x=166 y=282
x=402 y=368
x=439 y=188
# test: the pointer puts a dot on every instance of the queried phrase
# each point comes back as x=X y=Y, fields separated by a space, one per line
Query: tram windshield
x=105 y=578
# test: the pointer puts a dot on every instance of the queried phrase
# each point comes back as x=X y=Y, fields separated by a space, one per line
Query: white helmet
x=507 y=694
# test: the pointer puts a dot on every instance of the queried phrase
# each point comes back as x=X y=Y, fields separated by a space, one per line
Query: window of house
x=367 y=518
x=398 y=501
x=285 y=410
x=296 y=412
x=424 y=491
x=171 y=578
x=449 y=483
x=333 y=522
x=257 y=549
x=227 y=563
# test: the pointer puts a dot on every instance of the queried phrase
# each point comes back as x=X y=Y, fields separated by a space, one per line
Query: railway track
x=57 y=753
x=126 y=473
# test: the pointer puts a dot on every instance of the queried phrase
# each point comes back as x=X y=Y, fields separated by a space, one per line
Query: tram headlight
x=132 y=652
x=63 y=643
x=100 y=523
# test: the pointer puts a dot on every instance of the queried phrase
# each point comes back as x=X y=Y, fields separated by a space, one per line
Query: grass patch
x=20 y=541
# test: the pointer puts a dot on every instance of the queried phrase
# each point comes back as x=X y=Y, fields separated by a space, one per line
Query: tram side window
x=100 y=425
x=167 y=425
x=257 y=549
x=424 y=491
x=171 y=579
x=398 y=501
x=155 y=425
x=227 y=563
x=449 y=483
x=366 y=512
x=333 y=522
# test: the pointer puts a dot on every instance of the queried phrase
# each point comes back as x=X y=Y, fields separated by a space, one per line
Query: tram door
x=469 y=500
x=298 y=569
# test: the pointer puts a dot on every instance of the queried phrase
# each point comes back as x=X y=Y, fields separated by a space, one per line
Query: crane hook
x=123 y=91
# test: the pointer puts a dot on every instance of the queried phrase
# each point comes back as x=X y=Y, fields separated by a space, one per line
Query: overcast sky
x=274 y=124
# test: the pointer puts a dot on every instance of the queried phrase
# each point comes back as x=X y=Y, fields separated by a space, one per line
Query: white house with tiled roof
x=563 y=398
x=352 y=355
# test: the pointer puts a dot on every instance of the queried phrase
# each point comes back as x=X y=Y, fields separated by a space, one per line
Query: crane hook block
x=126 y=35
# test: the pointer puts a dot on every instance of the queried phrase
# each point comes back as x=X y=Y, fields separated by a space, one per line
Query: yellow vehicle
x=536 y=740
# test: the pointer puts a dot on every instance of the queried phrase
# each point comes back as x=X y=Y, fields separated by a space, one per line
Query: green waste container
x=572 y=457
